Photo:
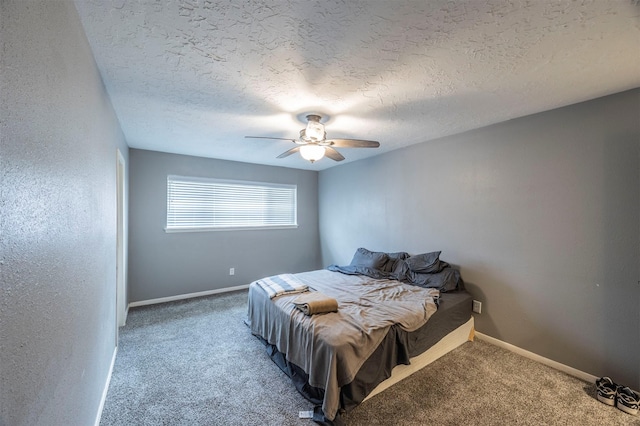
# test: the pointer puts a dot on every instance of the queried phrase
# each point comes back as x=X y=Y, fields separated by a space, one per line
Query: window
x=201 y=204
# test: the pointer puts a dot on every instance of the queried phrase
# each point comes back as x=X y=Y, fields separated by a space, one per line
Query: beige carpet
x=194 y=362
x=482 y=384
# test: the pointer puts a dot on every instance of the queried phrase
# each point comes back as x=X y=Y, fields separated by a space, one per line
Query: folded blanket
x=282 y=284
x=315 y=302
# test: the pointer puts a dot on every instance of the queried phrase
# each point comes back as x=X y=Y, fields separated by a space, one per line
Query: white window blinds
x=197 y=204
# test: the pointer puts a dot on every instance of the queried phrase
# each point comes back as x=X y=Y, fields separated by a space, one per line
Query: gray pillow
x=426 y=263
x=446 y=280
x=369 y=259
x=394 y=260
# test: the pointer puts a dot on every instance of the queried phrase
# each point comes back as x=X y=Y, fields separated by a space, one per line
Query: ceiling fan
x=313 y=143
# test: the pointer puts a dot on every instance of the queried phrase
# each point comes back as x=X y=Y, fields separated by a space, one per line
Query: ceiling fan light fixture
x=315 y=130
x=312 y=152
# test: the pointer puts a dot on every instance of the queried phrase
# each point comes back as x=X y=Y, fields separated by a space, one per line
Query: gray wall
x=540 y=213
x=58 y=135
x=167 y=264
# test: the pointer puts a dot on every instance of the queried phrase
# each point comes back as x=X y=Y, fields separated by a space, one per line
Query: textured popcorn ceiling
x=194 y=77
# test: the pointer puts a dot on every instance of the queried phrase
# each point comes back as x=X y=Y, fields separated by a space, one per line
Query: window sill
x=243 y=228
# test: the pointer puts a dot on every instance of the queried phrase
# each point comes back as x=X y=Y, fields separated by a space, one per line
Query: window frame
x=242 y=183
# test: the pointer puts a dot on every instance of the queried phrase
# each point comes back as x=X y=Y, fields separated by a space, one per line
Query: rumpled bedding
x=332 y=347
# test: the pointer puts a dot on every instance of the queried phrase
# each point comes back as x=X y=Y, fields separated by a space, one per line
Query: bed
x=393 y=312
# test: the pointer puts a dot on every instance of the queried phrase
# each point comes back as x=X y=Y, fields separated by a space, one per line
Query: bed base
x=457 y=337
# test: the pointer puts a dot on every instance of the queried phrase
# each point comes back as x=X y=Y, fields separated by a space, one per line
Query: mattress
x=396 y=348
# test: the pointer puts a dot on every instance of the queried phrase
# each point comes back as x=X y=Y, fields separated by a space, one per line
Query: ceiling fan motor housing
x=314 y=132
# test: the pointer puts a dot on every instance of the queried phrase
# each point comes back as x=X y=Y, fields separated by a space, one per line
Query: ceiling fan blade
x=288 y=153
x=333 y=154
x=353 y=143
x=266 y=137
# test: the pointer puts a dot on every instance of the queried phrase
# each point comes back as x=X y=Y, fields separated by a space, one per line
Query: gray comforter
x=332 y=347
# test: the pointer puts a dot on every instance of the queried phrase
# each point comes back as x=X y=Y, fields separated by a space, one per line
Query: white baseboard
x=186 y=296
x=106 y=387
x=535 y=357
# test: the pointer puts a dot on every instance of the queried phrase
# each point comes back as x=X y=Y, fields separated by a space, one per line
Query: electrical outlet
x=232 y=271
x=477 y=306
